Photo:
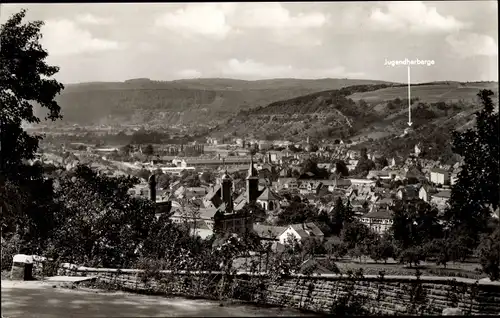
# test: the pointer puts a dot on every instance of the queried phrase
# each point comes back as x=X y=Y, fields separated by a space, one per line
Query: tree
x=489 y=254
x=25 y=79
x=441 y=249
x=126 y=150
x=208 y=177
x=353 y=233
x=382 y=249
x=164 y=181
x=415 y=224
x=381 y=163
x=478 y=186
x=143 y=174
x=297 y=212
x=336 y=250
x=411 y=255
x=100 y=224
x=338 y=216
x=341 y=168
x=148 y=150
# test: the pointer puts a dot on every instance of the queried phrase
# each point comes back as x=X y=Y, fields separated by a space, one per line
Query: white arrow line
x=409 y=99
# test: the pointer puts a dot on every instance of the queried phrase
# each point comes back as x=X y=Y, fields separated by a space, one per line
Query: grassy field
x=466 y=270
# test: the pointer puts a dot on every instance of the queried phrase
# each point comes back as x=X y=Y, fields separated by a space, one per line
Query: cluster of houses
x=266 y=177
x=222 y=206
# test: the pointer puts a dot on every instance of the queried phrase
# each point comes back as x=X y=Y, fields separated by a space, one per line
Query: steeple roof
x=268 y=195
x=225 y=176
x=252 y=172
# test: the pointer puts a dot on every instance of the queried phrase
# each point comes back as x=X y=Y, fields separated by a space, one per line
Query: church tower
x=227 y=186
x=252 y=190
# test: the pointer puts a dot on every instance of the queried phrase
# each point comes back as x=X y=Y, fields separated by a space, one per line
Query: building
x=286 y=183
x=268 y=233
x=300 y=232
x=214 y=163
x=426 y=192
x=441 y=199
x=231 y=216
x=379 y=220
x=439 y=176
x=407 y=193
x=269 y=200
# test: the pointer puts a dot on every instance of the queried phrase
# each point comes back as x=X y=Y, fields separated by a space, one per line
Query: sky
x=167 y=41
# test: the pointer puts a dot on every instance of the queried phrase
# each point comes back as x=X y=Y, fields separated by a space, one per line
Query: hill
x=366 y=114
x=181 y=102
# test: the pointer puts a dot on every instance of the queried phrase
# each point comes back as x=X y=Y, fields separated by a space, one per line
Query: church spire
x=225 y=175
x=252 y=173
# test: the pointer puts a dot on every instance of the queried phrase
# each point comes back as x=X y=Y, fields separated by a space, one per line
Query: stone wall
x=387 y=295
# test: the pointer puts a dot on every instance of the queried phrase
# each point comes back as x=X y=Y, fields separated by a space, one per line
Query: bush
x=151 y=268
x=10 y=247
x=489 y=253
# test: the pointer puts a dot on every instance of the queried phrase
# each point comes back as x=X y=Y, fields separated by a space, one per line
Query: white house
x=441 y=198
x=440 y=176
x=379 y=221
x=300 y=232
x=425 y=193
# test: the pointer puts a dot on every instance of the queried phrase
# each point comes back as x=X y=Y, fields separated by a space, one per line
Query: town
x=225 y=177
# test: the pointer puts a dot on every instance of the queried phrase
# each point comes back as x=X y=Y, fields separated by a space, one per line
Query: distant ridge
x=203 y=101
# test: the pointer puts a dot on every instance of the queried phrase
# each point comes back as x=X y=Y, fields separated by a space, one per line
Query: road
x=42 y=299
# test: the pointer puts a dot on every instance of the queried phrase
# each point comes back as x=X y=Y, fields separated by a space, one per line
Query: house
x=286 y=183
x=268 y=234
x=407 y=193
x=426 y=192
x=339 y=183
x=378 y=174
x=202 y=229
x=384 y=203
x=300 y=232
x=309 y=186
x=269 y=200
x=357 y=183
x=439 y=176
x=195 y=192
x=190 y=214
x=379 y=220
x=441 y=198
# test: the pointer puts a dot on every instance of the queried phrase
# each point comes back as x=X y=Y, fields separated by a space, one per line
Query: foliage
x=25 y=78
x=478 y=185
x=297 y=212
x=208 y=177
x=148 y=150
x=340 y=215
x=489 y=254
x=311 y=166
x=411 y=255
x=441 y=249
x=163 y=181
x=10 y=247
x=143 y=174
x=353 y=233
x=414 y=224
x=382 y=249
x=341 y=168
x=99 y=223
